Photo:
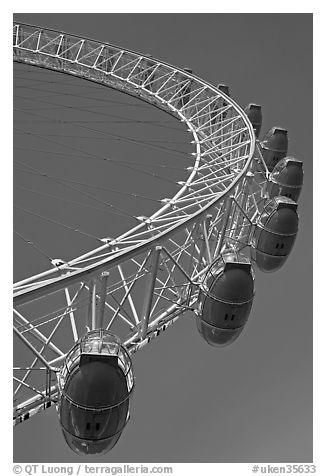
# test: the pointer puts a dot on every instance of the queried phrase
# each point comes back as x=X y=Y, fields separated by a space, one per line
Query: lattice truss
x=139 y=283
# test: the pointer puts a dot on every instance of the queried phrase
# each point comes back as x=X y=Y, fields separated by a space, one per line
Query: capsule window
x=88 y=426
x=282 y=245
x=226 y=317
x=277 y=245
x=97 y=426
x=232 y=317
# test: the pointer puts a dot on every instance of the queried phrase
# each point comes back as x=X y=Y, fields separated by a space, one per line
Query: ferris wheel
x=78 y=323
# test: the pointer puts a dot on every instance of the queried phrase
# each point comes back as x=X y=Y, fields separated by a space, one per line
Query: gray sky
x=251 y=401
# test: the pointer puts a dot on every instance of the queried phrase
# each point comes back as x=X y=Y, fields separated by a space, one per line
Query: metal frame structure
x=139 y=283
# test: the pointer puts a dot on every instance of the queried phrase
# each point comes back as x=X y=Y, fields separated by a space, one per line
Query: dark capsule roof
x=234 y=284
x=254 y=113
x=224 y=88
x=288 y=171
x=280 y=216
x=276 y=139
x=97 y=382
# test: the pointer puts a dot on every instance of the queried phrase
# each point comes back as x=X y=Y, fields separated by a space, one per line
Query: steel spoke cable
x=37 y=247
x=39 y=99
x=98 y=187
x=121 y=119
x=153 y=141
x=63 y=81
x=96 y=156
x=118 y=137
x=117 y=161
x=109 y=101
x=84 y=184
x=170 y=150
x=56 y=197
x=58 y=106
x=60 y=79
x=56 y=93
x=94 y=87
x=77 y=230
x=103 y=102
x=39 y=172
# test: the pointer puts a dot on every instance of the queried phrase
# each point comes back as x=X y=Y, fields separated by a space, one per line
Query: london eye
x=79 y=321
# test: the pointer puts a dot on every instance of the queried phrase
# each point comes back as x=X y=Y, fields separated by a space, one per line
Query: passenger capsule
x=286 y=179
x=274 y=146
x=254 y=114
x=274 y=233
x=95 y=384
x=224 y=88
x=225 y=299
